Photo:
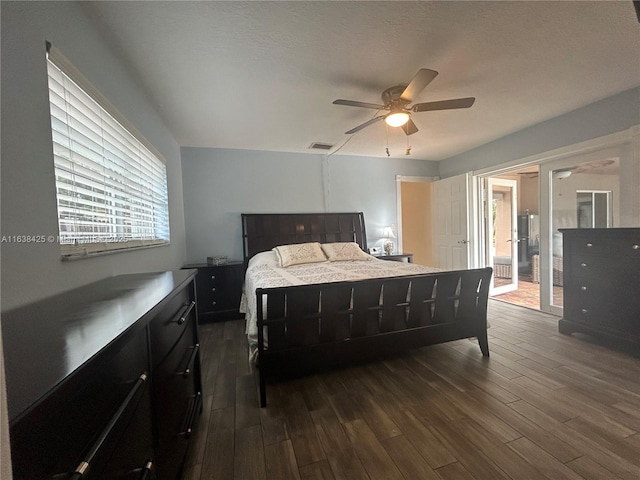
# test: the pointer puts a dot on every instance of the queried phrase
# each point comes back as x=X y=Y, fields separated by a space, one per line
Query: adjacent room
x=320 y=240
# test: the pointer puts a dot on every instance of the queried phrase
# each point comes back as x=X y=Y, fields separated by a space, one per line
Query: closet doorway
x=415 y=221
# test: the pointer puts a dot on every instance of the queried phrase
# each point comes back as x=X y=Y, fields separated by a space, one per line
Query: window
x=593 y=208
x=111 y=187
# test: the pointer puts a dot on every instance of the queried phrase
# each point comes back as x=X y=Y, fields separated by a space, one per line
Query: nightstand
x=397 y=257
x=218 y=290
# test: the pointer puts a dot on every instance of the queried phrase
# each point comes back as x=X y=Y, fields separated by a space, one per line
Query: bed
x=346 y=309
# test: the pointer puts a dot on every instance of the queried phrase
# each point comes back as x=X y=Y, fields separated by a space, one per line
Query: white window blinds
x=111 y=189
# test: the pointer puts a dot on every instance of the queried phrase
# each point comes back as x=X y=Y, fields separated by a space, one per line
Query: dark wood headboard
x=263 y=231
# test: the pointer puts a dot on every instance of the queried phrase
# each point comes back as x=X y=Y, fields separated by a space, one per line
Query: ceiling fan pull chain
x=386 y=129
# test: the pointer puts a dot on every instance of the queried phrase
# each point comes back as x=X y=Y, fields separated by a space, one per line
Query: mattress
x=263 y=272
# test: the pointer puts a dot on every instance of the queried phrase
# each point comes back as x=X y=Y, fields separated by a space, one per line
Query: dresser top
x=46 y=341
x=601 y=231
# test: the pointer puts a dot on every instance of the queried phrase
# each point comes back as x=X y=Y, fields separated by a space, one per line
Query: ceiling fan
x=397 y=99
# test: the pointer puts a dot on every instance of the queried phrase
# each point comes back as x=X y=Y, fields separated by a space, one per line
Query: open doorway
x=415 y=222
x=580 y=191
x=512 y=235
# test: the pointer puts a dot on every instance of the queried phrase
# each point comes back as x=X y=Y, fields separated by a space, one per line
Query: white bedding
x=263 y=272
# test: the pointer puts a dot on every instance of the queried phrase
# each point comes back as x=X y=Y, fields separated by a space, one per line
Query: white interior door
x=451 y=226
x=502 y=234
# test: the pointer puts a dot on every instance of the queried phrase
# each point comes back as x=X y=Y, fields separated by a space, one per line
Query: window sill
x=94 y=250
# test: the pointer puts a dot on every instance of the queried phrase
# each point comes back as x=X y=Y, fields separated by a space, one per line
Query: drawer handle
x=84 y=465
x=213 y=277
x=185 y=315
x=146 y=470
x=213 y=289
x=192 y=358
x=583 y=288
x=584 y=310
x=636 y=247
x=191 y=416
x=214 y=303
x=589 y=244
x=583 y=264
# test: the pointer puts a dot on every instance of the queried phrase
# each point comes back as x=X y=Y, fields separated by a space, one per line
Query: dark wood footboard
x=312 y=327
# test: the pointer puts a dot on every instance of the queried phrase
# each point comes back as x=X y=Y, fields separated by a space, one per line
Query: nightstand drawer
x=216 y=277
x=216 y=298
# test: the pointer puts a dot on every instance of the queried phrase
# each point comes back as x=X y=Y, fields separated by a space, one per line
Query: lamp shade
x=388 y=233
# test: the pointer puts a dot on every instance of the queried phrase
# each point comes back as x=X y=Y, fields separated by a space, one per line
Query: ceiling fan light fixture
x=561 y=174
x=396 y=119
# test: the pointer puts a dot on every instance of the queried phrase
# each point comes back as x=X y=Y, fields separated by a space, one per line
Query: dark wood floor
x=544 y=405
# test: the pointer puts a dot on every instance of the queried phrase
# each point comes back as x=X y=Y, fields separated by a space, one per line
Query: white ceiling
x=263 y=75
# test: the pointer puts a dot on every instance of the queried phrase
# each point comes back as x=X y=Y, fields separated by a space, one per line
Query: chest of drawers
x=602 y=284
x=103 y=382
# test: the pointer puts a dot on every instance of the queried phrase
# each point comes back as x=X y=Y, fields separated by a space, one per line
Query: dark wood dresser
x=104 y=381
x=602 y=284
x=219 y=290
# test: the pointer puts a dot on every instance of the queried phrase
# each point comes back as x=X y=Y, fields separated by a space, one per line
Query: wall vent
x=321 y=146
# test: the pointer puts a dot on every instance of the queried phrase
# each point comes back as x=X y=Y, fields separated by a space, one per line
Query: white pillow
x=342 y=251
x=298 y=253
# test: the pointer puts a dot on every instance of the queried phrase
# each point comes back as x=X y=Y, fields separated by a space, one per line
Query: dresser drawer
x=58 y=434
x=169 y=325
x=175 y=382
x=628 y=245
x=135 y=451
x=603 y=292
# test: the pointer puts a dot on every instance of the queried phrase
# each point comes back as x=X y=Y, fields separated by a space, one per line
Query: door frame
x=513 y=184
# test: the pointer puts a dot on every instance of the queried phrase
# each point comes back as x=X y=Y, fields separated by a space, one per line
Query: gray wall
x=220 y=184
x=32 y=271
x=613 y=114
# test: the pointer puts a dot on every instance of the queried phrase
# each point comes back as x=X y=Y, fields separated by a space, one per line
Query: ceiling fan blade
x=444 y=104
x=353 y=103
x=364 y=125
x=423 y=78
x=409 y=127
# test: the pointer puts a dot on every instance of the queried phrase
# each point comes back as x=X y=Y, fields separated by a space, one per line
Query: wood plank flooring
x=544 y=405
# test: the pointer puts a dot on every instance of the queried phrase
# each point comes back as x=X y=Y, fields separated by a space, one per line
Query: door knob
x=463 y=241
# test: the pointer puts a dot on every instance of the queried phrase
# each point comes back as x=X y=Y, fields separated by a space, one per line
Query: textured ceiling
x=263 y=75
